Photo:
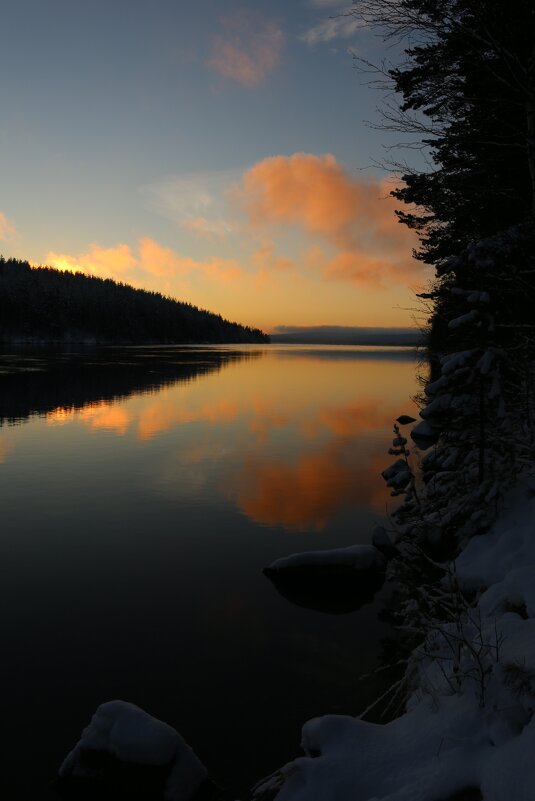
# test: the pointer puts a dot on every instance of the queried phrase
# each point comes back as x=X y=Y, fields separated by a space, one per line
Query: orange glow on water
x=111 y=417
x=304 y=495
x=297 y=436
x=163 y=413
x=98 y=416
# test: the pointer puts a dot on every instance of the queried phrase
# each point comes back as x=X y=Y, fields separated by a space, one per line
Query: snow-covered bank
x=469 y=724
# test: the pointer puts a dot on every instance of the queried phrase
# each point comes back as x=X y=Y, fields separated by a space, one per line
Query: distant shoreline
x=100 y=343
x=346 y=335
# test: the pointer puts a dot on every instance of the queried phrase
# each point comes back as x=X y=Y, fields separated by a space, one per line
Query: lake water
x=142 y=492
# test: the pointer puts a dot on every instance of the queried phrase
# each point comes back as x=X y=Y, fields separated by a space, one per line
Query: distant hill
x=346 y=335
x=40 y=304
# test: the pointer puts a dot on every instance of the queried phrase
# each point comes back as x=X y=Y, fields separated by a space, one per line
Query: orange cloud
x=247 y=50
x=152 y=260
x=165 y=262
x=158 y=260
x=101 y=262
x=354 y=217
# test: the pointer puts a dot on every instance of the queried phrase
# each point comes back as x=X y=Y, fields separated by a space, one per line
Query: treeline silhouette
x=46 y=305
x=37 y=382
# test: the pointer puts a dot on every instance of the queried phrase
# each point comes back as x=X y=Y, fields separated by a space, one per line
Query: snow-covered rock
x=336 y=581
x=405 y=419
x=360 y=558
x=132 y=736
x=424 y=435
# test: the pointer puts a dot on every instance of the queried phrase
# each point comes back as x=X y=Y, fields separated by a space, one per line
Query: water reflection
x=57 y=382
x=330 y=591
x=297 y=435
x=142 y=494
x=306 y=493
x=6 y=448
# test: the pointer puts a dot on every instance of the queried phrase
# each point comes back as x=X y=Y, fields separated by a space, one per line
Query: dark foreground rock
x=336 y=581
x=124 y=753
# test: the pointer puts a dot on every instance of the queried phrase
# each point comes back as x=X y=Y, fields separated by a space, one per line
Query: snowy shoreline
x=468 y=725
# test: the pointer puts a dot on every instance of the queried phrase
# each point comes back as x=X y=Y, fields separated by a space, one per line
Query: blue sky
x=129 y=122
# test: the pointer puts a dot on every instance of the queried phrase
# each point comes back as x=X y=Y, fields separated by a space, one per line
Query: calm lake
x=142 y=492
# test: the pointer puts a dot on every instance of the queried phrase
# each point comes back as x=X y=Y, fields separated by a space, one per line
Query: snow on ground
x=470 y=723
x=127 y=732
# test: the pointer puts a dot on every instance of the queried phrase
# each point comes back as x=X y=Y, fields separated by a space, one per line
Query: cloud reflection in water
x=291 y=439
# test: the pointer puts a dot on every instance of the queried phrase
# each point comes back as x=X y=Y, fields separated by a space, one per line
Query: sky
x=217 y=152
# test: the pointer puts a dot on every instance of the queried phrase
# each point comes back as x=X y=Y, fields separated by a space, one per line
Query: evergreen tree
x=42 y=304
x=468 y=90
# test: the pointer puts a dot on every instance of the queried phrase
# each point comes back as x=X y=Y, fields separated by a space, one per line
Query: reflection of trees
x=40 y=382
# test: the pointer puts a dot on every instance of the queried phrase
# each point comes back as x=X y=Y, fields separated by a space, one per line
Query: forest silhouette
x=41 y=304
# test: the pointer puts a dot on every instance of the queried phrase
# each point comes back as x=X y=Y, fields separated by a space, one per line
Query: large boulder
x=126 y=753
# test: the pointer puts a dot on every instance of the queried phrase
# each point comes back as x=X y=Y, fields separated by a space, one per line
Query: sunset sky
x=213 y=151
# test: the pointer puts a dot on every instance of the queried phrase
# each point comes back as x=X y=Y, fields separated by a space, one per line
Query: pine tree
x=468 y=90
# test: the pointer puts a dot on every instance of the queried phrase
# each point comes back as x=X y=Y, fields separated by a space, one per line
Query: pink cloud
x=102 y=262
x=354 y=217
x=247 y=49
x=152 y=260
x=158 y=260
